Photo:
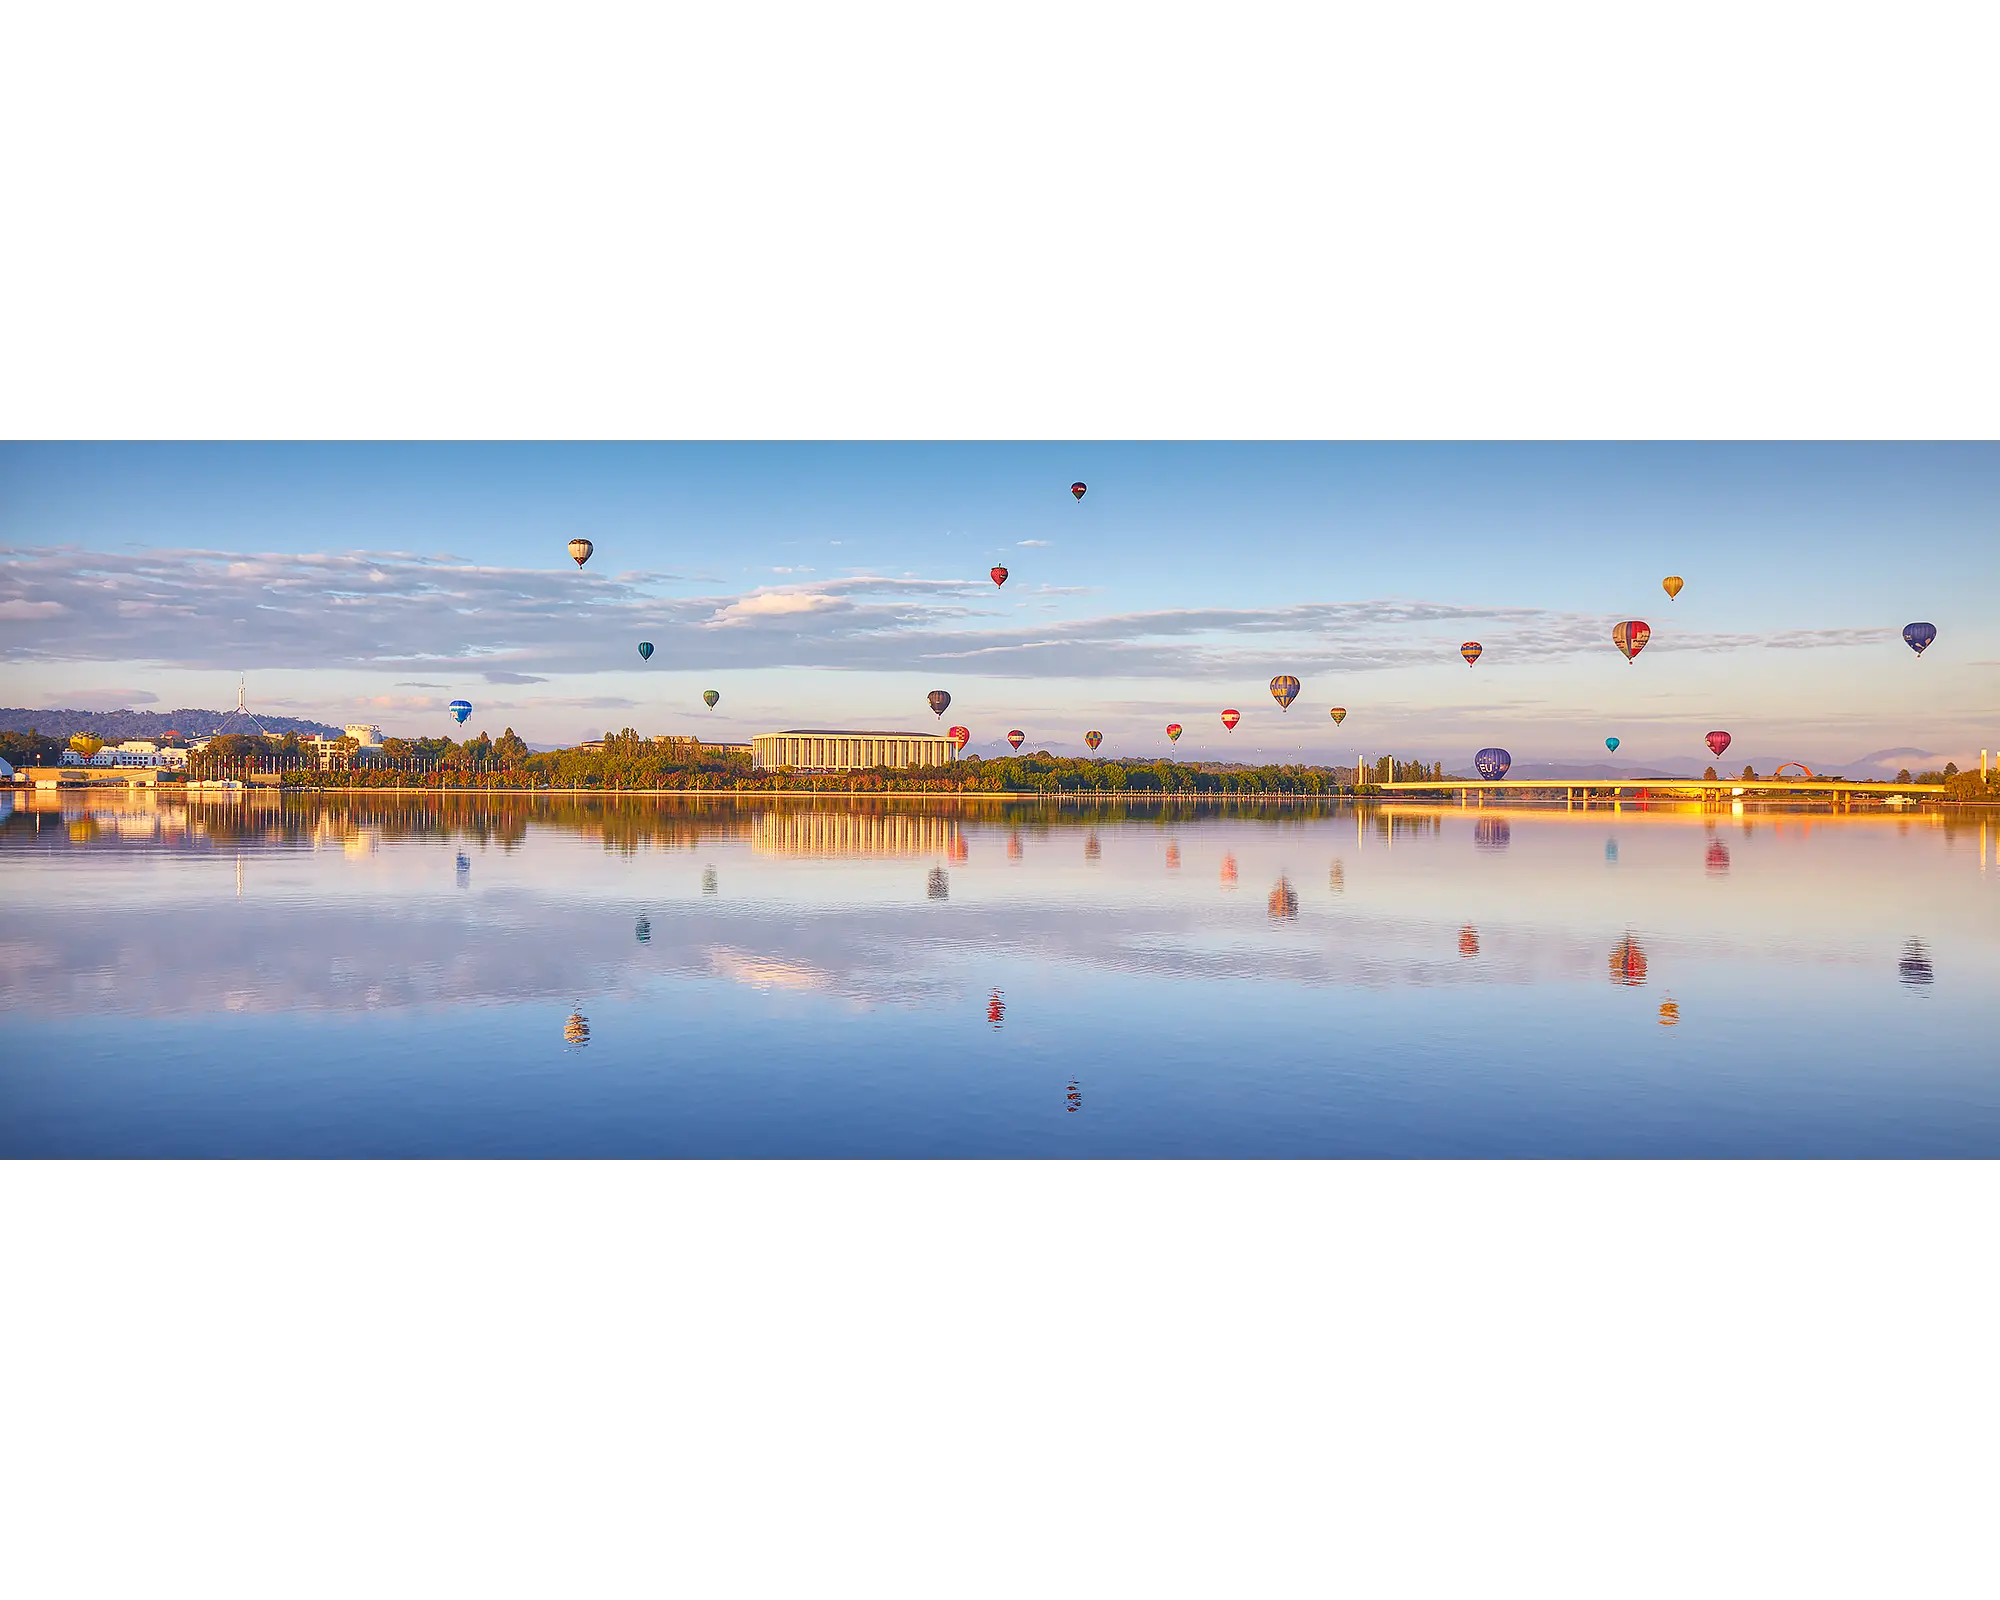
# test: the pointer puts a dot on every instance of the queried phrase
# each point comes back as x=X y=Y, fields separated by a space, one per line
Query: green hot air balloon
x=645 y=652
x=711 y=696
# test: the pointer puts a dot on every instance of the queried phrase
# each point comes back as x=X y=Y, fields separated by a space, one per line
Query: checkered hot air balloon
x=1093 y=738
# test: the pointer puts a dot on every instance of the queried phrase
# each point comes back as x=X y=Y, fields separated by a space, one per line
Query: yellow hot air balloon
x=1673 y=586
x=579 y=550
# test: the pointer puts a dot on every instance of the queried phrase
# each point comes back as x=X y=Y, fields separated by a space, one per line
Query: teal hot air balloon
x=1611 y=744
x=645 y=652
x=461 y=709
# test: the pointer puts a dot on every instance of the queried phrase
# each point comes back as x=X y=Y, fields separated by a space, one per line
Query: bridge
x=1710 y=791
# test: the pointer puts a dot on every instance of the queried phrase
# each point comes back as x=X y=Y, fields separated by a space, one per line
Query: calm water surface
x=818 y=978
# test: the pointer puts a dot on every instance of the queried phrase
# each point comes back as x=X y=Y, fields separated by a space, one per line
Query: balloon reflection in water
x=996 y=1009
x=577 y=1030
x=1173 y=855
x=708 y=880
x=1014 y=846
x=1718 y=858
x=1074 y=1097
x=1091 y=848
x=1228 y=871
x=1492 y=833
x=938 y=885
x=1283 y=903
x=1915 y=967
x=464 y=869
x=1628 y=963
x=1670 y=1013
x=957 y=851
x=1611 y=852
x=642 y=930
x=1468 y=940
x=1336 y=878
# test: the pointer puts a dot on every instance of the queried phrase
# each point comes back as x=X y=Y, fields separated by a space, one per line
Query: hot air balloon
x=1918 y=636
x=461 y=709
x=1093 y=738
x=1611 y=743
x=998 y=575
x=645 y=652
x=1471 y=650
x=958 y=737
x=1492 y=763
x=1284 y=690
x=1173 y=733
x=1339 y=715
x=1015 y=736
x=1673 y=586
x=579 y=550
x=710 y=696
x=1631 y=637
x=1231 y=718
x=1718 y=742
x=1077 y=490
x=939 y=699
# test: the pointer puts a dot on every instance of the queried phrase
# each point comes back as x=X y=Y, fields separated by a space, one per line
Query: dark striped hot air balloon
x=940 y=700
x=1015 y=736
x=645 y=652
x=1093 y=738
x=1284 y=690
x=1631 y=637
x=1471 y=650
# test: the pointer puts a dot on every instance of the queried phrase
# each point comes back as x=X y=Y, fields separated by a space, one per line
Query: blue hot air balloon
x=461 y=709
x=1918 y=636
x=1611 y=744
x=1492 y=763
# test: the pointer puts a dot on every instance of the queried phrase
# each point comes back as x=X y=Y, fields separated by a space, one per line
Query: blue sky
x=833 y=584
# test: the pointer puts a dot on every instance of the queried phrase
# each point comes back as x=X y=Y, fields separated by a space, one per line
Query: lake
x=469 y=976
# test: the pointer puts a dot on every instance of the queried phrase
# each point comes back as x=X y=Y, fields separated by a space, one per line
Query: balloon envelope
x=1611 y=744
x=579 y=550
x=461 y=709
x=1284 y=690
x=1077 y=490
x=1471 y=650
x=939 y=699
x=1673 y=587
x=1339 y=715
x=645 y=652
x=1717 y=742
x=1015 y=736
x=1093 y=738
x=1492 y=763
x=1173 y=732
x=1918 y=636
x=998 y=575
x=1231 y=718
x=1631 y=637
x=958 y=737
x=710 y=696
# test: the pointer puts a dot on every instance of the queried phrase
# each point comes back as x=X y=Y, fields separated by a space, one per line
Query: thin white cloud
x=1034 y=544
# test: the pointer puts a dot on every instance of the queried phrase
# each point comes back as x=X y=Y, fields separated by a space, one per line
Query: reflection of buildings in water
x=1670 y=1013
x=1468 y=940
x=1014 y=845
x=708 y=883
x=1228 y=870
x=1092 y=850
x=858 y=833
x=1336 y=878
x=938 y=886
x=1914 y=970
x=577 y=1030
x=996 y=1009
x=1283 y=903
x=1718 y=858
x=1492 y=833
x=1628 y=963
x=1173 y=855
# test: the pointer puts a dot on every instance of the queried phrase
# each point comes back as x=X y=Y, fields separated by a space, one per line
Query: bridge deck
x=1726 y=787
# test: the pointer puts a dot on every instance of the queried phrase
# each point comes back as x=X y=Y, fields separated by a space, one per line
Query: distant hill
x=192 y=722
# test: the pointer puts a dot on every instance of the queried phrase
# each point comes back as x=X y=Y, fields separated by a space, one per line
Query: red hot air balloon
x=958 y=737
x=1718 y=742
x=1173 y=733
x=1471 y=650
x=1231 y=718
x=1631 y=637
x=1015 y=736
x=998 y=575
x=1093 y=738
x=1077 y=490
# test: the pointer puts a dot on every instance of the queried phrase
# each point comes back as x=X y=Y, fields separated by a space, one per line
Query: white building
x=844 y=750
x=363 y=733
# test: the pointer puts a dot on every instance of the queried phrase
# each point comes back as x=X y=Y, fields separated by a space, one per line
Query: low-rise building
x=849 y=750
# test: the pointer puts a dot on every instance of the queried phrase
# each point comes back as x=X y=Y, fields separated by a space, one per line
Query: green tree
x=1903 y=776
x=1708 y=773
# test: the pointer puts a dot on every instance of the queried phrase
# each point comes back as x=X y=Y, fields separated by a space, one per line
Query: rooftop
x=849 y=733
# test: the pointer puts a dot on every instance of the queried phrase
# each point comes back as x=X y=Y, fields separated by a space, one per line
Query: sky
x=834 y=585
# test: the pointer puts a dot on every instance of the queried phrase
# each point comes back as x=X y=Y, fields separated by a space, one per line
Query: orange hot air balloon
x=998 y=575
x=1174 y=732
x=1231 y=718
x=1015 y=736
x=1673 y=586
x=1339 y=715
x=958 y=737
x=1472 y=649
x=1631 y=637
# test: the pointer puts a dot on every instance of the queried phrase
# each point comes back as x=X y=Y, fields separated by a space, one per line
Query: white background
x=1035 y=220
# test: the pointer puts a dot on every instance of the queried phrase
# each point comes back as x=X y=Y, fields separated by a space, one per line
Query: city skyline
x=834 y=584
